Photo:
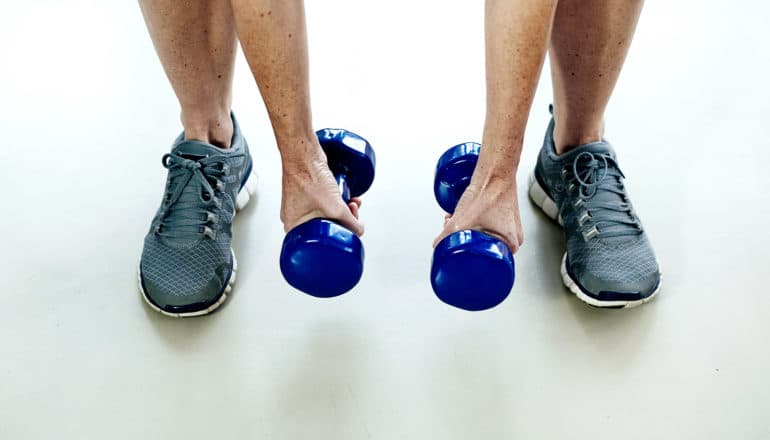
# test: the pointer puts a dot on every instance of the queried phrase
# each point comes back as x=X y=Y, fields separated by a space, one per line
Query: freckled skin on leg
x=196 y=45
x=274 y=39
x=589 y=44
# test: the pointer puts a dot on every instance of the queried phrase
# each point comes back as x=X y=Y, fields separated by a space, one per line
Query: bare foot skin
x=310 y=191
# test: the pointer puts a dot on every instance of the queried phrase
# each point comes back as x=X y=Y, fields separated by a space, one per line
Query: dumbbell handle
x=342 y=184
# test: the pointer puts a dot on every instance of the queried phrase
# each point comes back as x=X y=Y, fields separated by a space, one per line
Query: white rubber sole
x=541 y=199
x=574 y=288
x=244 y=196
x=248 y=190
x=221 y=300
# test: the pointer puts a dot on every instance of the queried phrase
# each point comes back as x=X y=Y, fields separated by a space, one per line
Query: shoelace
x=594 y=173
x=186 y=214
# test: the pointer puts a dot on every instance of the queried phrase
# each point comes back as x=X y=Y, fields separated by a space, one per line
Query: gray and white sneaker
x=609 y=261
x=188 y=266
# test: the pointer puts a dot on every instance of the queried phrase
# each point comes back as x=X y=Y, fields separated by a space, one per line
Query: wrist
x=496 y=169
x=494 y=183
x=302 y=154
x=500 y=156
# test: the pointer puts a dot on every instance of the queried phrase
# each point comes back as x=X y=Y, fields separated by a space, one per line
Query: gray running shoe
x=188 y=266
x=609 y=261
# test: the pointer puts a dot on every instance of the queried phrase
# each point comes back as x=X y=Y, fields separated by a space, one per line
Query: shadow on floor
x=317 y=398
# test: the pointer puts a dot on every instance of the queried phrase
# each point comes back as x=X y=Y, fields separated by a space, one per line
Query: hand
x=491 y=207
x=310 y=191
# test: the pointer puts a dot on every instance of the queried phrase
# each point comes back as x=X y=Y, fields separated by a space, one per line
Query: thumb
x=347 y=219
x=448 y=230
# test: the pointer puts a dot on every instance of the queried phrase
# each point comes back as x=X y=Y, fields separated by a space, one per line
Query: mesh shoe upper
x=187 y=260
x=608 y=253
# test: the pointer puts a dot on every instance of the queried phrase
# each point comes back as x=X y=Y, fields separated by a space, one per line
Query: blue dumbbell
x=471 y=270
x=320 y=257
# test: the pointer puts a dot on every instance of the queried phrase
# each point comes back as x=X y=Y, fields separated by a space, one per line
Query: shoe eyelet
x=591 y=233
x=584 y=217
x=208 y=232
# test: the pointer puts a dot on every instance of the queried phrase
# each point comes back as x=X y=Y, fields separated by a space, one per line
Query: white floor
x=87 y=114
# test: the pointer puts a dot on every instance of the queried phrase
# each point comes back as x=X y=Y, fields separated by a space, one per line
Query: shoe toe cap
x=177 y=293
x=608 y=286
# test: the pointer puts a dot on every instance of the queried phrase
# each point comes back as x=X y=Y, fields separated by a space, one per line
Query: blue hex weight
x=320 y=257
x=471 y=270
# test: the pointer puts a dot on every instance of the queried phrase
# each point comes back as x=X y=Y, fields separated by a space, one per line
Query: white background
x=87 y=113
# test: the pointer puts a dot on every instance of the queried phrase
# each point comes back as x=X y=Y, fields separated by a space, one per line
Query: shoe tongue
x=196 y=150
x=192 y=150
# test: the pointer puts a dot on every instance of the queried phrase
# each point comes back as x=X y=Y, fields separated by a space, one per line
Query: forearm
x=517 y=33
x=274 y=38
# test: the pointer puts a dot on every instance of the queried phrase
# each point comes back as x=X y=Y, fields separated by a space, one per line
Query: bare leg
x=589 y=44
x=517 y=33
x=196 y=45
x=274 y=39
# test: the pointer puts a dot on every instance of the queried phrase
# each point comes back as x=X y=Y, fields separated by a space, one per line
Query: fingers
x=289 y=225
x=440 y=237
x=509 y=239
x=512 y=239
x=353 y=208
x=348 y=217
x=448 y=230
x=512 y=242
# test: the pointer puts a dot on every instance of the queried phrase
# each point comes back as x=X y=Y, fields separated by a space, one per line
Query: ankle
x=569 y=134
x=301 y=154
x=216 y=129
x=565 y=143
